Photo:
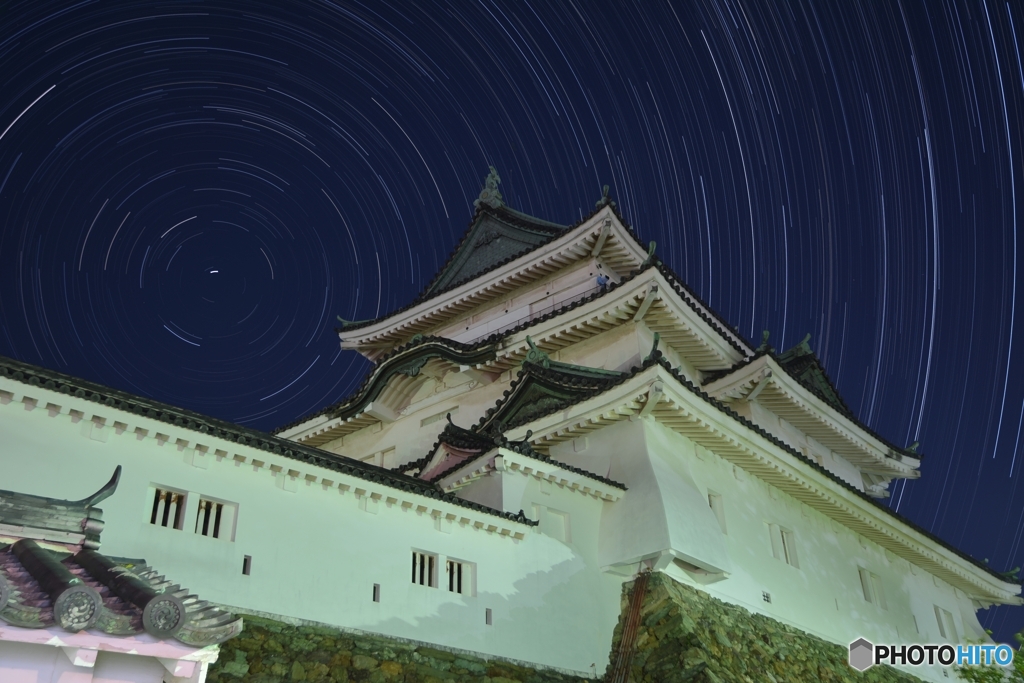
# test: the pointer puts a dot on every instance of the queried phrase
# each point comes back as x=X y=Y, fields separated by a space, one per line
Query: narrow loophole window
x=247 y=565
x=376 y=592
x=488 y=617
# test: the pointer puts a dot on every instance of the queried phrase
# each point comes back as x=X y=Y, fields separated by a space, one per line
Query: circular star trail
x=190 y=193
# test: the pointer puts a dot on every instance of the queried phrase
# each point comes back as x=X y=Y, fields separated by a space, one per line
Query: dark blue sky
x=190 y=192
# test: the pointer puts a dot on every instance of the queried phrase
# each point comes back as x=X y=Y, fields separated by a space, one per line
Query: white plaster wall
x=27 y=663
x=523 y=302
x=315 y=553
x=823 y=596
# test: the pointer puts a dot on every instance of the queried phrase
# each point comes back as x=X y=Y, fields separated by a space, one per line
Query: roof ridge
x=214 y=427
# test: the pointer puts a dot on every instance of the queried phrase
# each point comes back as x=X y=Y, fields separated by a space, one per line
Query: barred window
x=460 y=577
x=424 y=569
x=168 y=508
x=209 y=518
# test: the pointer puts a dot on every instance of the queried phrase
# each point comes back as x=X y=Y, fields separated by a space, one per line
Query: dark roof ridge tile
x=415 y=342
x=424 y=296
x=35 y=375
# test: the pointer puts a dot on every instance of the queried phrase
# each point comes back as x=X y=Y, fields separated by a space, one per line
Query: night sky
x=191 y=192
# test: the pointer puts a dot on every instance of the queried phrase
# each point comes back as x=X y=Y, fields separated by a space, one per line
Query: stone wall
x=269 y=651
x=686 y=635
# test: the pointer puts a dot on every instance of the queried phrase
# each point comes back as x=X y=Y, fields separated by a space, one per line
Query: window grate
x=458 y=577
x=423 y=569
x=208 y=522
x=168 y=508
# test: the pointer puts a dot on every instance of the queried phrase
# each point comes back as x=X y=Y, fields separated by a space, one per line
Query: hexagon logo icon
x=862 y=654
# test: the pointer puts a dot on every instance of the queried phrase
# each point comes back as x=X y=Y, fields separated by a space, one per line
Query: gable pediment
x=496 y=235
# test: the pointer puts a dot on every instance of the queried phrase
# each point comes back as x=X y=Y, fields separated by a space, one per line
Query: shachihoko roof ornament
x=490 y=195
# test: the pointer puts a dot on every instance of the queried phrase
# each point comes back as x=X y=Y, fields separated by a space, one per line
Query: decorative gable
x=496 y=235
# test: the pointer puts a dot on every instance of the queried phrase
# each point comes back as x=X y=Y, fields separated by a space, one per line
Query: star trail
x=191 y=192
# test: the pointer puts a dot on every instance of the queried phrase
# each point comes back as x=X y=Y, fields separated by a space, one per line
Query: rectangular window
x=775 y=535
x=783 y=545
x=168 y=508
x=789 y=548
x=424 y=569
x=715 y=502
x=871 y=585
x=376 y=592
x=947 y=628
x=460 y=577
x=216 y=519
x=553 y=523
x=488 y=617
x=247 y=565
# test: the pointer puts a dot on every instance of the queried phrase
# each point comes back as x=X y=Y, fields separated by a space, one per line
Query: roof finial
x=650 y=253
x=764 y=341
x=912 y=448
x=535 y=355
x=490 y=195
x=605 y=200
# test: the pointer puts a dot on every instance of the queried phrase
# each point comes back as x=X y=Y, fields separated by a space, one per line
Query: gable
x=495 y=236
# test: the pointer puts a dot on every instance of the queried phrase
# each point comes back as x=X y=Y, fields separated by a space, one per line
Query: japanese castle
x=556 y=413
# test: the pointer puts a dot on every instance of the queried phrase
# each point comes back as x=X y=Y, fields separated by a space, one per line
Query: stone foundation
x=686 y=635
x=270 y=651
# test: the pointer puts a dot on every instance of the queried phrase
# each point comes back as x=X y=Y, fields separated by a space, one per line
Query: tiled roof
x=47 y=577
x=405 y=360
x=34 y=375
x=728 y=332
x=542 y=386
x=495 y=236
x=806 y=369
x=657 y=358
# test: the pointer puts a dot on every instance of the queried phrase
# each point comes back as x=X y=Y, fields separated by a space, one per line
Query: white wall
x=315 y=553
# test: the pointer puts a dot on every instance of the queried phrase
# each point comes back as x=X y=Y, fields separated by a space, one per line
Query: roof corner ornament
x=605 y=200
x=912 y=448
x=490 y=195
x=805 y=344
x=764 y=341
x=650 y=254
x=106 y=492
x=535 y=355
x=349 y=323
x=655 y=354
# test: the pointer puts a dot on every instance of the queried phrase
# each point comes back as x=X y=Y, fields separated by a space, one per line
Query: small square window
x=168 y=508
x=766 y=596
x=424 y=569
